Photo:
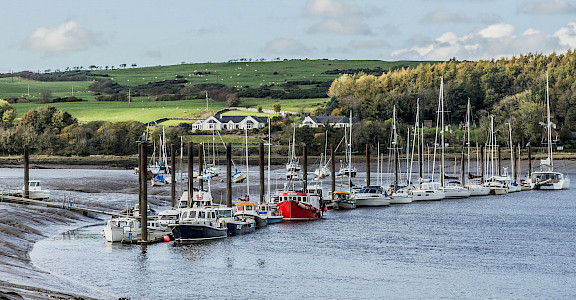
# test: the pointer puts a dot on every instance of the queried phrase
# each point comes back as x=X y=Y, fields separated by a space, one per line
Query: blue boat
x=236 y=225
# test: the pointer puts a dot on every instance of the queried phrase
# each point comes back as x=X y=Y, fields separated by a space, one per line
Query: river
x=519 y=245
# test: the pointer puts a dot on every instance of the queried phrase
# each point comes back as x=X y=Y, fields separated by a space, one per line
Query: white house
x=223 y=123
x=335 y=121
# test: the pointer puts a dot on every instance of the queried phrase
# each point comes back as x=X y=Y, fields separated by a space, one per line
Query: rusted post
x=499 y=161
x=529 y=161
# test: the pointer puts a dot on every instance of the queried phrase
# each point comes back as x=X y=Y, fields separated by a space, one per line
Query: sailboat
x=498 y=185
x=452 y=189
x=397 y=195
x=475 y=187
x=346 y=169
x=323 y=170
x=293 y=166
x=547 y=178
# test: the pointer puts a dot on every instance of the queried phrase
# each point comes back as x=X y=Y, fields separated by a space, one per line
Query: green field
x=143 y=111
x=240 y=74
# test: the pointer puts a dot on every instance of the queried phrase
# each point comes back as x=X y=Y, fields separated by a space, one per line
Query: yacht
x=199 y=223
x=371 y=196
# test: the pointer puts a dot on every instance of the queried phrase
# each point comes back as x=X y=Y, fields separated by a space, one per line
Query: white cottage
x=335 y=121
x=224 y=123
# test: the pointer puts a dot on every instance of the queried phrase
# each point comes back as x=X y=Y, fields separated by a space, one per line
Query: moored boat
x=371 y=196
x=198 y=224
x=298 y=206
x=342 y=200
x=248 y=209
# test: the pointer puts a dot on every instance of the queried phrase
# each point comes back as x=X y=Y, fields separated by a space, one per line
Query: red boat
x=297 y=206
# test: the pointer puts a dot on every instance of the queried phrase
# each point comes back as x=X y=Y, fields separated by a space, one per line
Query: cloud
x=286 y=46
x=67 y=37
x=442 y=16
x=368 y=44
x=548 y=7
x=337 y=16
x=494 y=41
x=567 y=35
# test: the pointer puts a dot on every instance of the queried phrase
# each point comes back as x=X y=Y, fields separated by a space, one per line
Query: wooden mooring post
x=304 y=168
x=190 y=173
x=144 y=192
x=228 y=175
x=333 y=172
x=173 y=173
x=367 y=165
x=261 y=161
x=26 y=172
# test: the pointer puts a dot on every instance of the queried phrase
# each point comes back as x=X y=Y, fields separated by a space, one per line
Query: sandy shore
x=20 y=227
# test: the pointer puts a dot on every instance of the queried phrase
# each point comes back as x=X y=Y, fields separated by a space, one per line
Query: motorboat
x=370 y=196
x=199 y=223
x=453 y=190
x=35 y=191
x=342 y=200
x=428 y=191
x=299 y=206
x=248 y=210
x=477 y=189
x=236 y=225
x=127 y=229
x=496 y=186
x=401 y=196
x=271 y=213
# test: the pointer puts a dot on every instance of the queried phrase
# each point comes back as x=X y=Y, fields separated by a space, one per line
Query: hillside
x=297 y=85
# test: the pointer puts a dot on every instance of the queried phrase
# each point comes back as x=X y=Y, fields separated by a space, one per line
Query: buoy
x=325 y=209
x=166 y=238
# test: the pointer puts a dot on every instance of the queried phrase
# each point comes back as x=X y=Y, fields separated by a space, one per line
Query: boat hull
x=427 y=195
x=298 y=211
x=240 y=227
x=371 y=201
x=456 y=193
x=275 y=219
x=478 y=190
x=185 y=232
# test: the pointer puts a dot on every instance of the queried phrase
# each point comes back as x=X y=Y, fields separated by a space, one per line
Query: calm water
x=515 y=246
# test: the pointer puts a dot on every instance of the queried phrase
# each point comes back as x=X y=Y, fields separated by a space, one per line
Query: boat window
x=201 y=214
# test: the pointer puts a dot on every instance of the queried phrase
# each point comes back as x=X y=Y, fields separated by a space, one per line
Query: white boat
x=323 y=170
x=497 y=185
x=547 y=178
x=401 y=196
x=453 y=190
x=127 y=229
x=371 y=196
x=35 y=191
x=248 y=210
x=428 y=191
x=236 y=225
x=478 y=189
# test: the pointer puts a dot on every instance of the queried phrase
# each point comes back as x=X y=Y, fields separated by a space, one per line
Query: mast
x=247 y=177
x=468 y=134
x=548 y=123
x=269 y=153
x=350 y=156
x=394 y=143
x=512 y=160
x=442 y=131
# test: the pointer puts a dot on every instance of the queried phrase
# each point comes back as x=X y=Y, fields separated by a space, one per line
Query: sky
x=48 y=35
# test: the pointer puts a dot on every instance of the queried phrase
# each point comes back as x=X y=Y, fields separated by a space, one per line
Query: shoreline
x=21 y=226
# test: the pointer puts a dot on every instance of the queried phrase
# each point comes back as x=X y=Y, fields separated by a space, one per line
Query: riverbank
x=20 y=227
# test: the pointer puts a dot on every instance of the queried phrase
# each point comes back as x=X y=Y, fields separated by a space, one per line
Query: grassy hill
x=237 y=74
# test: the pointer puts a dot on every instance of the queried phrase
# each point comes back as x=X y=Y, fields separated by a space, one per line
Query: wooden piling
x=332 y=172
x=482 y=163
x=499 y=173
x=261 y=157
x=173 y=173
x=304 y=168
x=367 y=165
x=228 y=175
x=26 y=172
x=529 y=161
x=200 y=166
x=190 y=172
x=143 y=191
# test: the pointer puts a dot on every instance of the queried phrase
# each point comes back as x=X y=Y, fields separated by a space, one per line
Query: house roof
x=238 y=119
x=330 y=119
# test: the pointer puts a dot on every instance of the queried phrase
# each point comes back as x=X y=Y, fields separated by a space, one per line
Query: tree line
x=512 y=90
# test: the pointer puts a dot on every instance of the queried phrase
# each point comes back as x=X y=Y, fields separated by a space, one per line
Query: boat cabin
x=546 y=177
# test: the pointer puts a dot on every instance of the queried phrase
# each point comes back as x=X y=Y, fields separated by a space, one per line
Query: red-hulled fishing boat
x=298 y=206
